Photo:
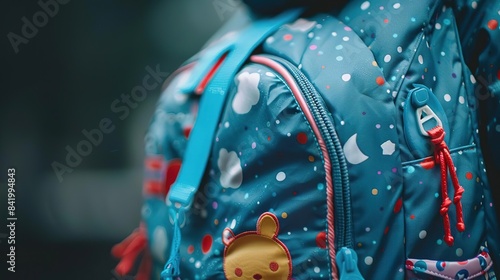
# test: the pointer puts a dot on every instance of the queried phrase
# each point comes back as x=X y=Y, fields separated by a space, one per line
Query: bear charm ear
x=227 y=236
x=268 y=225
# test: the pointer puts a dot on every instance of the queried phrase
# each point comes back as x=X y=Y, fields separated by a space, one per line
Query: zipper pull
x=171 y=271
x=347 y=263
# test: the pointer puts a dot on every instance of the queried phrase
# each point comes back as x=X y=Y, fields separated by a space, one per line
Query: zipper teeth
x=340 y=175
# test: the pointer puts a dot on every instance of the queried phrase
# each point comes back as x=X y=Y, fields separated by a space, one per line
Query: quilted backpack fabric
x=355 y=142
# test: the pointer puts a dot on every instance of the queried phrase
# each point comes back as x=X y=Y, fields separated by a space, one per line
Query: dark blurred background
x=63 y=78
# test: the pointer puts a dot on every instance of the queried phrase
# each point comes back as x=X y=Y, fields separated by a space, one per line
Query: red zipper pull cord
x=128 y=250
x=443 y=158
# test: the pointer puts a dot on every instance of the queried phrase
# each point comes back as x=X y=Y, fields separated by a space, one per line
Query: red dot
x=238 y=272
x=380 y=80
x=427 y=164
x=190 y=249
x=386 y=20
x=187 y=131
x=469 y=175
x=302 y=138
x=412 y=216
x=274 y=266
x=386 y=230
x=493 y=24
x=321 y=240
x=398 y=206
x=287 y=37
x=206 y=243
x=498 y=75
x=268 y=138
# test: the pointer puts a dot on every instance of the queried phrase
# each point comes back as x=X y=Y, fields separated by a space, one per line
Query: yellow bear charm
x=257 y=254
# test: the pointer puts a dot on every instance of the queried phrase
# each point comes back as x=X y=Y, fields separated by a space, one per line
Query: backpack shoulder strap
x=228 y=57
x=213 y=76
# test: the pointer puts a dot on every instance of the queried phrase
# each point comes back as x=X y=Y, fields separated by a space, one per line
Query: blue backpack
x=344 y=143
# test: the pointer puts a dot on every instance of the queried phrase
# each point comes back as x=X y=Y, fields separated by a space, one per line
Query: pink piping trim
x=328 y=167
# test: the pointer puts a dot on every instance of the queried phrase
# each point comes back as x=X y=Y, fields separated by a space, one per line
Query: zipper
x=340 y=179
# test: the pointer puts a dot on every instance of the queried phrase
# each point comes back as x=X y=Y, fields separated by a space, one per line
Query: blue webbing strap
x=212 y=101
x=202 y=135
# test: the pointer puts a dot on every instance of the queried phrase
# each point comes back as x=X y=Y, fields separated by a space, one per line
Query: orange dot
x=493 y=24
x=287 y=37
x=468 y=175
x=380 y=80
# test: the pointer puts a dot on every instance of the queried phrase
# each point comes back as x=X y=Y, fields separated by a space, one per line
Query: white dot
x=226 y=124
x=316 y=269
x=270 y=40
x=365 y=5
x=339 y=58
x=422 y=234
x=461 y=99
x=497 y=127
x=334 y=34
x=305 y=229
x=345 y=38
x=447 y=97
x=197 y=264
x=400 y=49
x=367 y=229
x=420 y=59
x=438 y=26
x=368 y=260
x=387 y=58
x=472 y=79
x=280 y=176
x=346 y=77
x=459 y=252
x=474 y=4
x=396 y=6
x=343 y=122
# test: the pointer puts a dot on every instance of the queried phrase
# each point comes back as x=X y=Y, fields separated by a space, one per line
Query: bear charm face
x=257 y=254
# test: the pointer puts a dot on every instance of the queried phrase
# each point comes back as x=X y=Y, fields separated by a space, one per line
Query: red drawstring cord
x=128 y=251
x=443 y=158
